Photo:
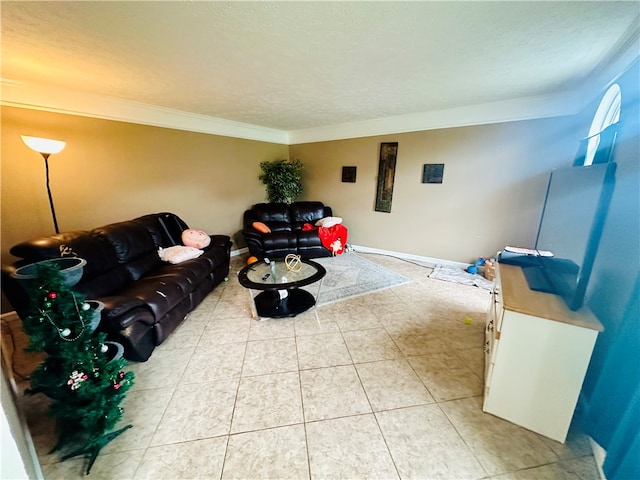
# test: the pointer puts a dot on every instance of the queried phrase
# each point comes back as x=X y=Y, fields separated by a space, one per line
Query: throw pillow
x=328 y=222
x=178 y=253
x=261 y=227
x=195 y=238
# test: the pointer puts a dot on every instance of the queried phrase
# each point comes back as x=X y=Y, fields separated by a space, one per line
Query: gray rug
x=350 y=275
x=458 y=275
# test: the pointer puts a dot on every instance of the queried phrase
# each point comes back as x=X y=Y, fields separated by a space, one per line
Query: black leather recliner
x=286 y=236
x=145 y=298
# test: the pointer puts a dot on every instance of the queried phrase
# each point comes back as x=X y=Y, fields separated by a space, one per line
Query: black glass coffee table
x=281 y=295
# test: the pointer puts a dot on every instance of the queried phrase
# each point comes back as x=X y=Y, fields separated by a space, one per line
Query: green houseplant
x=283 y=179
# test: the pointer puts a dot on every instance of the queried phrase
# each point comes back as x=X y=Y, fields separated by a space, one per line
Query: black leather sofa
x=145 y=298
x=286 y=224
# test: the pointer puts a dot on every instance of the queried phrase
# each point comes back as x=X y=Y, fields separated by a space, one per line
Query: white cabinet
x=536 y=355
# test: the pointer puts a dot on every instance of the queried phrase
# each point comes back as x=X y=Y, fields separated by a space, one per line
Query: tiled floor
x=389 y=386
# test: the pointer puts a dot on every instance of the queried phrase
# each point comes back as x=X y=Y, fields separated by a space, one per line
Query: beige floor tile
x=106 y=467
x=213 y=362
x=370 y=345
x=413 y=343
x=267 y=401
x=307 y=324
x=473 y=358
x=424 y=444
x=272 y=328
x=498 y=445
x=583 y=468
x=184 y=461
x=270 y=356
x=278 y=453
x=392 y=384
x=143 y=409
x=332 y=392
x=349 y=448
x=324 y=350
x=160 y=371
x=446 y=376
x=197 y=411
x=225 y=330
x=577 y=444
x=187 y=335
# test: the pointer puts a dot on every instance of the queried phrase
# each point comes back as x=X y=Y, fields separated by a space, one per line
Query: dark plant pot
x=70 y=268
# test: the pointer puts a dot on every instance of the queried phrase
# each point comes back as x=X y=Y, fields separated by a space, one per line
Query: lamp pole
x=53 y=210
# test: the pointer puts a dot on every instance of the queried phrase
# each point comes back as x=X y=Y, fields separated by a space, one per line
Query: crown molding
x=59 y=100
x=482 y=114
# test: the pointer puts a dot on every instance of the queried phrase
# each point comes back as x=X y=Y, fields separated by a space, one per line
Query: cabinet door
x=537 y=373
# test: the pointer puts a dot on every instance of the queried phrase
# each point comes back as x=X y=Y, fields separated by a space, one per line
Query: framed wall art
x=349 y=174
x=432 y=172
x=386 y=175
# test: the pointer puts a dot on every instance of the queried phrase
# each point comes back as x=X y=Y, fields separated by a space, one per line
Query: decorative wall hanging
x=432 y=172
x=349 y=174
x=386 y=174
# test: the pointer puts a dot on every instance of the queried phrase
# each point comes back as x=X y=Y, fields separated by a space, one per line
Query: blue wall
x=609 y=408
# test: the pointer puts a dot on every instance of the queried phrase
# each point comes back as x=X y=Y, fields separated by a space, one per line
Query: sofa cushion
x=160 y=295
x=275 y=215
x=306 y=212
x=133 y=245
x=178 y=254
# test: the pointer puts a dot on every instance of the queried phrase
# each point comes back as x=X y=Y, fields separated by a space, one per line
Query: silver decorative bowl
x=70 y=267
x=94 y=314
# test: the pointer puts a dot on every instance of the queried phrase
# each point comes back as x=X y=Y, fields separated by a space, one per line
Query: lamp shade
x=43 y=145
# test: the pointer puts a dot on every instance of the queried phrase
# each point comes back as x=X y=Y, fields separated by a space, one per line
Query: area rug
x=350 y=275
x=458 y=275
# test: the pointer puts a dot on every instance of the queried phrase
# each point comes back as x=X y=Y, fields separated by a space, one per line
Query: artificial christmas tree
x=82 y=373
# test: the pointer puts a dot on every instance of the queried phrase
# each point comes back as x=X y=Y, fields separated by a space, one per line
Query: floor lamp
x=45 y=147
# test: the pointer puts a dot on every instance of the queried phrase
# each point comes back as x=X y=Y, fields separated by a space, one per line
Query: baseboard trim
x=405 y=256
x=239 y=251
x=599 y=455
x=408 y=256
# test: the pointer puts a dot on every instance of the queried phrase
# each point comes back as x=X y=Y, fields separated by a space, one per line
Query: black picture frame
x=386 y=176
x=349 y=174
x=432 y=173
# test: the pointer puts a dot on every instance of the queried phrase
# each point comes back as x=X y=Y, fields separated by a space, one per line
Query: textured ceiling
x=296 y=65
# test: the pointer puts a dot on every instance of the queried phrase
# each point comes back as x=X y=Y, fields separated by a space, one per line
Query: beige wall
x=114 y=171
x=494 y=183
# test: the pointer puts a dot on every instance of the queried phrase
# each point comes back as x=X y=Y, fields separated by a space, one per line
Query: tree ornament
x=104 y=348
x=86 y=306
x=121 y=375
x=52 y=295
x=65 y=332
x=76 y=378
x=116 y=386
x=47 y=304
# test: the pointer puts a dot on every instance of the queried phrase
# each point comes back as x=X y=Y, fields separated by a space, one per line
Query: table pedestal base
x=269 y=304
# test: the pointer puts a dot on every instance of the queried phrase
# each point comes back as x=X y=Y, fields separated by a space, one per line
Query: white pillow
x=178 y=253
x=328 y=222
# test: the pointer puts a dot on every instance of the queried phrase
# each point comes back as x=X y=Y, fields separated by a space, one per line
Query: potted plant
x=283 y=179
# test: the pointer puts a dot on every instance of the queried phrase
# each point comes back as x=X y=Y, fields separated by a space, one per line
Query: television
x=573 y=217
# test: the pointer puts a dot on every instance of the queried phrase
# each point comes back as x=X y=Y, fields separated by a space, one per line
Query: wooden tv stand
x=536 y=355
